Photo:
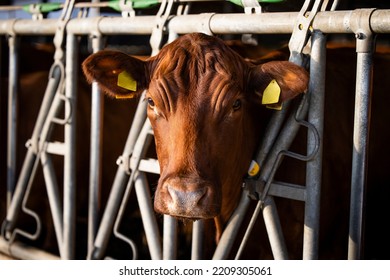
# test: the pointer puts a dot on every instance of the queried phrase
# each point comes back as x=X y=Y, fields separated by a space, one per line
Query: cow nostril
x=185 y=198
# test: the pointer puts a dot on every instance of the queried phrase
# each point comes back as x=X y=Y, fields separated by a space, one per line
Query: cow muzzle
x=187 y=198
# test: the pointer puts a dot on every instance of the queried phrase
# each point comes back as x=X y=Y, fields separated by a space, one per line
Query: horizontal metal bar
x=28 y=26
x=265 y=23
x=25 y=252
x=55 y=148
x=149 y=165
x=287 y=190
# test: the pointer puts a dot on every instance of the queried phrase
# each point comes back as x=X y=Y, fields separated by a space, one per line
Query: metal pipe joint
x=360 y=24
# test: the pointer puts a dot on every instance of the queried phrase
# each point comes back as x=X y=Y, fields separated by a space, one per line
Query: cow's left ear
x=118 y=74
x=278 y=81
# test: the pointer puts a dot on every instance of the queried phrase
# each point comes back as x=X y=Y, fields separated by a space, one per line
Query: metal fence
x=310 y=24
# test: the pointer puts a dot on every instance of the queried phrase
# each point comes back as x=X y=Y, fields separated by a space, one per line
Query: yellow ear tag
x=277 y=106
x=254 y=168
x=271 y=93
x=127 y=96
x=126 y=81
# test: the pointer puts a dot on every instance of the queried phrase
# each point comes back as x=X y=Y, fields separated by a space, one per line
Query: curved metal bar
x=10 y=237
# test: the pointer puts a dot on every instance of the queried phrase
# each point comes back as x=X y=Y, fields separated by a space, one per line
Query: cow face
x=204 y=104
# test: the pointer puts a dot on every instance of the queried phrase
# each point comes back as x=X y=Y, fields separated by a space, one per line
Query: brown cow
x=205 y=109
x=337 y=142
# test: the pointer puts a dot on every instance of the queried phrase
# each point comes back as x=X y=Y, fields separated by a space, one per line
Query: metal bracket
x=95 y=35
x=60 y=32
x=302 y=30
x=127 y=8
x=359 y=22
x=182 y=9
x=158 y=30
x=35 y=10
x=10 y=30
x=124 y=163
x=298 y=43
x=251 y=6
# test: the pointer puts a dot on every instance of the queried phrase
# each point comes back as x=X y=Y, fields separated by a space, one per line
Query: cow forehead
x=197 y=55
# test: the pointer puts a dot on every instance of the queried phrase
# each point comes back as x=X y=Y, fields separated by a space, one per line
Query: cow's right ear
x=278 y=81
x=118 y=74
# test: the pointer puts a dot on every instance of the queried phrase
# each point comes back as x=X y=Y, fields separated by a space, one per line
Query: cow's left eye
x=150 y=102
x=237 y=104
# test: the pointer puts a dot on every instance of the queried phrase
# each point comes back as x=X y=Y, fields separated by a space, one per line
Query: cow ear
x=278 y=81
x=118 y=75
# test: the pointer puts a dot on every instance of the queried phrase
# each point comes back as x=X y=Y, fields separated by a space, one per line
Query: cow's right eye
x=150 y=102
x=237 y=105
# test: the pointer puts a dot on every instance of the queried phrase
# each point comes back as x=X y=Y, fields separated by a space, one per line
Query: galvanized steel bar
x=29 y=27
x=274 y=229
x=359 y=157
x=265 y=23
x=24 y=252
x=360 y=141
x=95 y=168
x=169 y=238
x=13 y=69
x=148 y=216
x=142 y=25
x=314 y=166
x=54 y=198
x=96 y=151
x=364 y=68
x=69 y=220
x=197 y=240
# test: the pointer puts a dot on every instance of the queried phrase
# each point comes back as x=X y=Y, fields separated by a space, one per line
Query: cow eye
x=237 y=104
x=150 y=102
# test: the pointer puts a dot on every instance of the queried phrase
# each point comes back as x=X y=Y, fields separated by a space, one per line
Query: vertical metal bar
x=13 y=43
x=274 y=229
x=314 y=166
x=69 y=221
x=197 y=240
x=96 y=151
x=148 y=216
x=170 y=238
x=94 y=12
x=54 y=198
x=360 y=146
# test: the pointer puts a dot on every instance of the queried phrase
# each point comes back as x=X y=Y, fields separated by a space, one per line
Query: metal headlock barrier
x=307 y=28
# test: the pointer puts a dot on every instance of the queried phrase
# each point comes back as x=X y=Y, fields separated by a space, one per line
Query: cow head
x=204 y=104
